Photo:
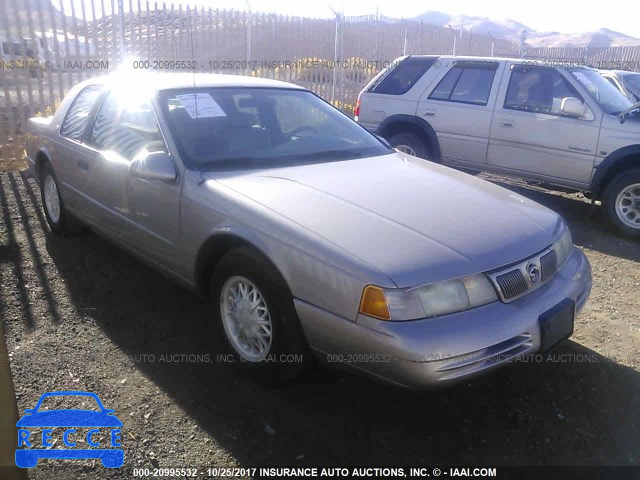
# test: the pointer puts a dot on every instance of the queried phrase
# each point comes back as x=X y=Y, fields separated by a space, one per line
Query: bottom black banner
x=445 y=471
x=438 y=472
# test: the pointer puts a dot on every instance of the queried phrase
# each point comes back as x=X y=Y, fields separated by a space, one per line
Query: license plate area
x=556 y=324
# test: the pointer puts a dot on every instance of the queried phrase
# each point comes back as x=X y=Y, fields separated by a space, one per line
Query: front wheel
x=253 y=309
x=621 y=201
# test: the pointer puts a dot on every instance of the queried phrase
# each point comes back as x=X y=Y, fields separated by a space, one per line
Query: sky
x=542 y=15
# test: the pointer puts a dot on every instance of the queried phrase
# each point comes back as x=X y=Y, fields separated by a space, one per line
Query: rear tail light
x=356 y=109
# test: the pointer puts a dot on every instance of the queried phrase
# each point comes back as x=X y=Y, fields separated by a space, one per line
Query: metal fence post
x=406 y=38
x=249 y=22
x=121 y=52
x=336 y=42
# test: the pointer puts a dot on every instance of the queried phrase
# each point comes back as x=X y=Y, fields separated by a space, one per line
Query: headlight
x=431 y=300
x=563 y=247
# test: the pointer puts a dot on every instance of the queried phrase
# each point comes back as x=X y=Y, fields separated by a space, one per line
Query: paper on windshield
x=200 y=105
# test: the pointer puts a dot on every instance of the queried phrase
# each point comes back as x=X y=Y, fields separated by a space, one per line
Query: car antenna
x=193 y=73
x=193 y=78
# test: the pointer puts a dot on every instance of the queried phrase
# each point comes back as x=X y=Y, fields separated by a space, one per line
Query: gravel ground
x=80 y=314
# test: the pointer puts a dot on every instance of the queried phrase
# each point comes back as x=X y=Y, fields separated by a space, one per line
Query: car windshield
x=238 y=128
x=631 y=81
x=610 y=99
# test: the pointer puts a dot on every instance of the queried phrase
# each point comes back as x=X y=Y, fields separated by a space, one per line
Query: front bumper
x=428 y=352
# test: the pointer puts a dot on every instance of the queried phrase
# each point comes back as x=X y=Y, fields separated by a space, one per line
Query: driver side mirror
x=572 y=107
x=153 y=166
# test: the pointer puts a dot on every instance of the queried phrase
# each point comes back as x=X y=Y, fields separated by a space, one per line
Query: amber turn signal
x=374 y=303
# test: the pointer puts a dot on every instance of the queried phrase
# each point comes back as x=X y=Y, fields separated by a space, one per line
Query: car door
x=140 y=212
x=531 y=136
x=459 y=108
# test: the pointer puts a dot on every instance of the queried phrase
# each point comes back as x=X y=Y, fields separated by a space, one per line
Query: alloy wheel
x=52 y=199
x=246 y=319
x=628 y=206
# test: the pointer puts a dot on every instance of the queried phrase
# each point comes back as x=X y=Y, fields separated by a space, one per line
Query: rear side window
x=466 y=83
x=127 y=126
x=75 y=122
x=400 y=79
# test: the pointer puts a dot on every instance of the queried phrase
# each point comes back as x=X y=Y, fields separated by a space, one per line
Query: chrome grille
x=524 y=277
x=512 y=284
x=548 y=265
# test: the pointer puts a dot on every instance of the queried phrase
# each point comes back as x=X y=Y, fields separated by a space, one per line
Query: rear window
x=400 y=79
x=77 y=117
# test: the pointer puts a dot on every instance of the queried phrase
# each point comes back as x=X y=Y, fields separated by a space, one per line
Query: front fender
x=614 y=163
x=218 y=242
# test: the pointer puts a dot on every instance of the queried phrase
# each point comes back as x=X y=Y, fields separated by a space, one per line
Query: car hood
x=415 y=221
x=69 y=418
x=631 y=124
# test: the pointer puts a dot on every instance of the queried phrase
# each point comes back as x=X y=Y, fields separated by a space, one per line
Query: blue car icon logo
x=70 y=421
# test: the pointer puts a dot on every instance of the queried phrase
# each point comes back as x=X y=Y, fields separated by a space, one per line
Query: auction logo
x=67 y=422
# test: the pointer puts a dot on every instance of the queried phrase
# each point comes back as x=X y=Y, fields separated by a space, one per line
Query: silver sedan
x=309 y=235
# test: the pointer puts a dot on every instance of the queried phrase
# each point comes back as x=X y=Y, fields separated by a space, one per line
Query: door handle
x=83 y=165
x=429 y=113
x=506 y=124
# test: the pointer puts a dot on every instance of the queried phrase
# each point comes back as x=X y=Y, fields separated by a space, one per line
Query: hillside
x=510 y=30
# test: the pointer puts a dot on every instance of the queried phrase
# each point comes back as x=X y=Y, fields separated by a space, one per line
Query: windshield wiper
x=331 y=155
x=230 y=162
x=279 y=160
x=626 y=112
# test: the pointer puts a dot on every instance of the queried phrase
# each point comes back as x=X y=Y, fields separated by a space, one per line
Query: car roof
x=531 y=61
x=170 y=80
x=622 y=73
x=476 y=59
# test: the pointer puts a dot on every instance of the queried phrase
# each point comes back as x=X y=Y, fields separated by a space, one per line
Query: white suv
x=564 y=126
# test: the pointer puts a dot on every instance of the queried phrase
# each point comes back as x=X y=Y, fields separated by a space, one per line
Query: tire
x=409 y=143
x=285 y=354
x=621 y=201
x=59 y=220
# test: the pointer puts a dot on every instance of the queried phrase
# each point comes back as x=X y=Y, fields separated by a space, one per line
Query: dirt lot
x=82 y=315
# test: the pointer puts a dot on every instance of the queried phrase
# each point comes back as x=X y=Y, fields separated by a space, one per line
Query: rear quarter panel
x=37 y=138
x=375 y=107
x=43 y=137
x=43 y=132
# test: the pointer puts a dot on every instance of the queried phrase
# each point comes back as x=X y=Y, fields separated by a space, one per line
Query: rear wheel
x=409 y=143
x=621 y=202
x=253 y=309
x=59 y=220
